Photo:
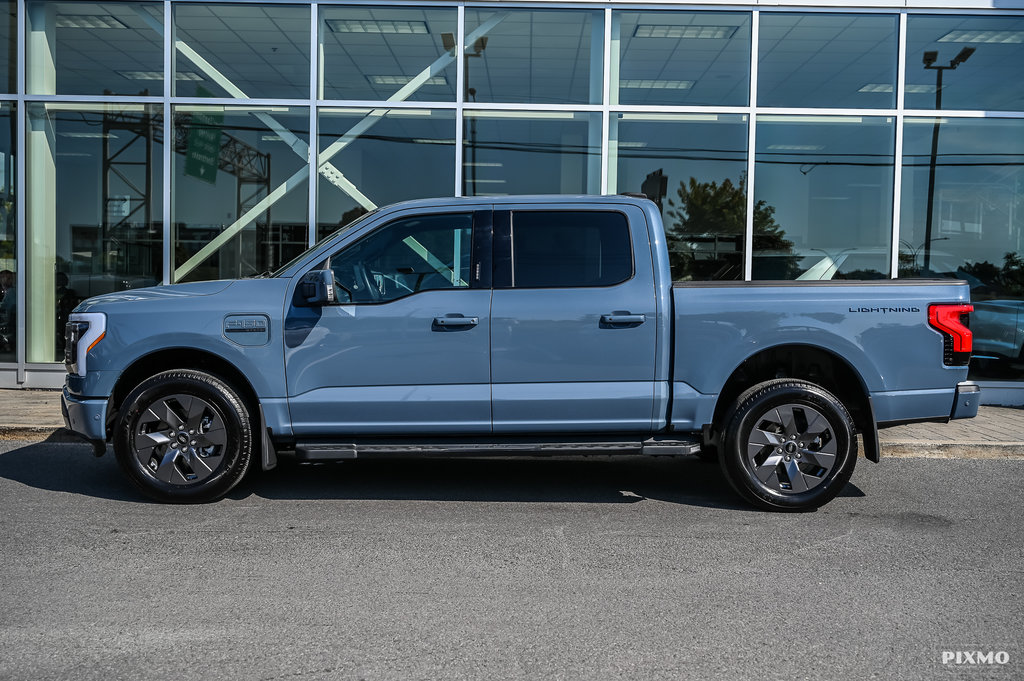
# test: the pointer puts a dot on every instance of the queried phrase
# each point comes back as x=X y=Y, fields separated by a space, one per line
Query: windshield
x=344 y=228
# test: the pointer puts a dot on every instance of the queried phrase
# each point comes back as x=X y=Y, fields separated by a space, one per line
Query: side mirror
x=316 y=288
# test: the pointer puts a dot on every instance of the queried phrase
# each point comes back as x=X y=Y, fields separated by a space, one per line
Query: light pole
x=929 y=63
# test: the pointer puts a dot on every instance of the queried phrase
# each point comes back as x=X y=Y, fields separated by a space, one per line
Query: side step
x=316 y=451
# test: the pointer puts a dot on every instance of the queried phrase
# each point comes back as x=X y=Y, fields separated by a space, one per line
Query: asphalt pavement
x=604 y=569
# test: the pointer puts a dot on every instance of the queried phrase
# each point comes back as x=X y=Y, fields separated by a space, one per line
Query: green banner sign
x=202 y=153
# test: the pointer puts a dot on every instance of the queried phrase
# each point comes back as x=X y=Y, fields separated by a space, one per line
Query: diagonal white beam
x=296 y=143
x=327 y=154
x=300 y=147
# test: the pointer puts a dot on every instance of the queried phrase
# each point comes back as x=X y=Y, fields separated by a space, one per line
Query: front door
x=407 y=350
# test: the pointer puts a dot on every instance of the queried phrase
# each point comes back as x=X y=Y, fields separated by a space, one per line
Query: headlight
x=83 y=331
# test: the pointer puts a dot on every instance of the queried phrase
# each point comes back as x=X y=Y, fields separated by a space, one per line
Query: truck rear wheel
x=184 y=436
x=788 y=445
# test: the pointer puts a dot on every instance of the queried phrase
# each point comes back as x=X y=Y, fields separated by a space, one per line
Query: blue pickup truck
x=516 y=325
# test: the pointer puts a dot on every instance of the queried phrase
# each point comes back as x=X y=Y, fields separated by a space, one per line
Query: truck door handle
x=456 y=321
x=619 y=319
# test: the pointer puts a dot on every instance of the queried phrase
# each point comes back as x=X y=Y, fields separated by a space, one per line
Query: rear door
x=573 y=320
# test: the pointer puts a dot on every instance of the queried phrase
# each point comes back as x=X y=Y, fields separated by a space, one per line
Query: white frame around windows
x=167 y=100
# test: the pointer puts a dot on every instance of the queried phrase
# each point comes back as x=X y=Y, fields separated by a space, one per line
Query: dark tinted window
x=570 y=249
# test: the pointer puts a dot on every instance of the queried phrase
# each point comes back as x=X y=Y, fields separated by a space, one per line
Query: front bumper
x=87 y=417
x=968 y=397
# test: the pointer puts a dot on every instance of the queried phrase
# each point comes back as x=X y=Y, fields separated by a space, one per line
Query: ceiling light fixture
x=89 y=21
x=649 y=84
x=403 y=80
x=910 y=88
x=368 y=26
x=795 y=147
x=997 y=37
x=88 y=135
x=670 y=31
x=159 y=75
x=533 y=115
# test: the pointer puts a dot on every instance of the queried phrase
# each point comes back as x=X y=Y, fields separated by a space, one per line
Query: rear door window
x=570 y=249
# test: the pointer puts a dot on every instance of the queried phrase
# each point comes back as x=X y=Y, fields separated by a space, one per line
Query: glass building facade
x=148 y=143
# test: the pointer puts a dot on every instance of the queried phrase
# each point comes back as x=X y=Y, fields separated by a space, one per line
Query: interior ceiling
x=531 y=55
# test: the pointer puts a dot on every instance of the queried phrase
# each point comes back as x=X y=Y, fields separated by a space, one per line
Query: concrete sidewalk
x=996 y=433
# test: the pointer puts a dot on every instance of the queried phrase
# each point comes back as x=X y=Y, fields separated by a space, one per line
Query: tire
x=788 y=445
x=184 y=436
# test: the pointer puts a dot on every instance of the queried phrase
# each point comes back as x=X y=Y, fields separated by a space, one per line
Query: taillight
x=952 y=320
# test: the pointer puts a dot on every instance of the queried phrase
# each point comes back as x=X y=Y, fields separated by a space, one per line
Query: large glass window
x=694 y=167
x=90 y=48
x=241 y=197
x=244 y=51
x=682 y=58
x=374 y=157
x=531 y=152
x=977 y=61
x=823 y=197
x=94 y=179
x=827 y=60
x=388 y=52
x=422 y=253
x=9 y=46
x=8 y=237
x=570 y=249
x=962 y=215
x=534 y=56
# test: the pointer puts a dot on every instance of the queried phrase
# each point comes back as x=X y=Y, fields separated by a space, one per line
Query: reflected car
x=998 y=327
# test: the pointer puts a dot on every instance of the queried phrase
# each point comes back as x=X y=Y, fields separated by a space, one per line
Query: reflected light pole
x=929 y=63
x=478 y=51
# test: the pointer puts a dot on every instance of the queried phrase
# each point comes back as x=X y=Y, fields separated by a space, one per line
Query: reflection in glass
x=9 y=46
x=423 y=253
x=976 y=181
x=823 y=197
x=380 y=52
x=94 y=206
x=550 y=56
x=827 y=60
x=682 y=58
x=8 y=236
x=241 y=198
x=693 y=166
x=531 y=152
x=987 y=79
x=244 y=51
x=107 y=48
x=394 y=155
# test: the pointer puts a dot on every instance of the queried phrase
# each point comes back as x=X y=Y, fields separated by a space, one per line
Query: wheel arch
x=180 y=358
x=811 y=363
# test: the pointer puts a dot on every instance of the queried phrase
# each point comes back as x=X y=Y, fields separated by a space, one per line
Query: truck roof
x=523 y=198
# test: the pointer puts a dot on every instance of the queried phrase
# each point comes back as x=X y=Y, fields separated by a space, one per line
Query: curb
x=948 y=450
x=40 y=434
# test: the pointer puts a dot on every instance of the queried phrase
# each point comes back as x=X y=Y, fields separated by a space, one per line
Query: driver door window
x=426 y=252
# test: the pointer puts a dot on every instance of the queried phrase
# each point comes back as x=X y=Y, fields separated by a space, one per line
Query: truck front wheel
x=184 y=436
x=788 y=445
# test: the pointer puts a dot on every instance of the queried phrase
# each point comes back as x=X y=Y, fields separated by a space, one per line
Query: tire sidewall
x=741 y=421
x=230 y=408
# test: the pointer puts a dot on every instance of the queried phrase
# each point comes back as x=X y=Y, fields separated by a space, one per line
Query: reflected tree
x=705 y=225
x=1003 y=282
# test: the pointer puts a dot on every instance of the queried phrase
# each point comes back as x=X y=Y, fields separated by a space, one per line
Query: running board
x=316 y=451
